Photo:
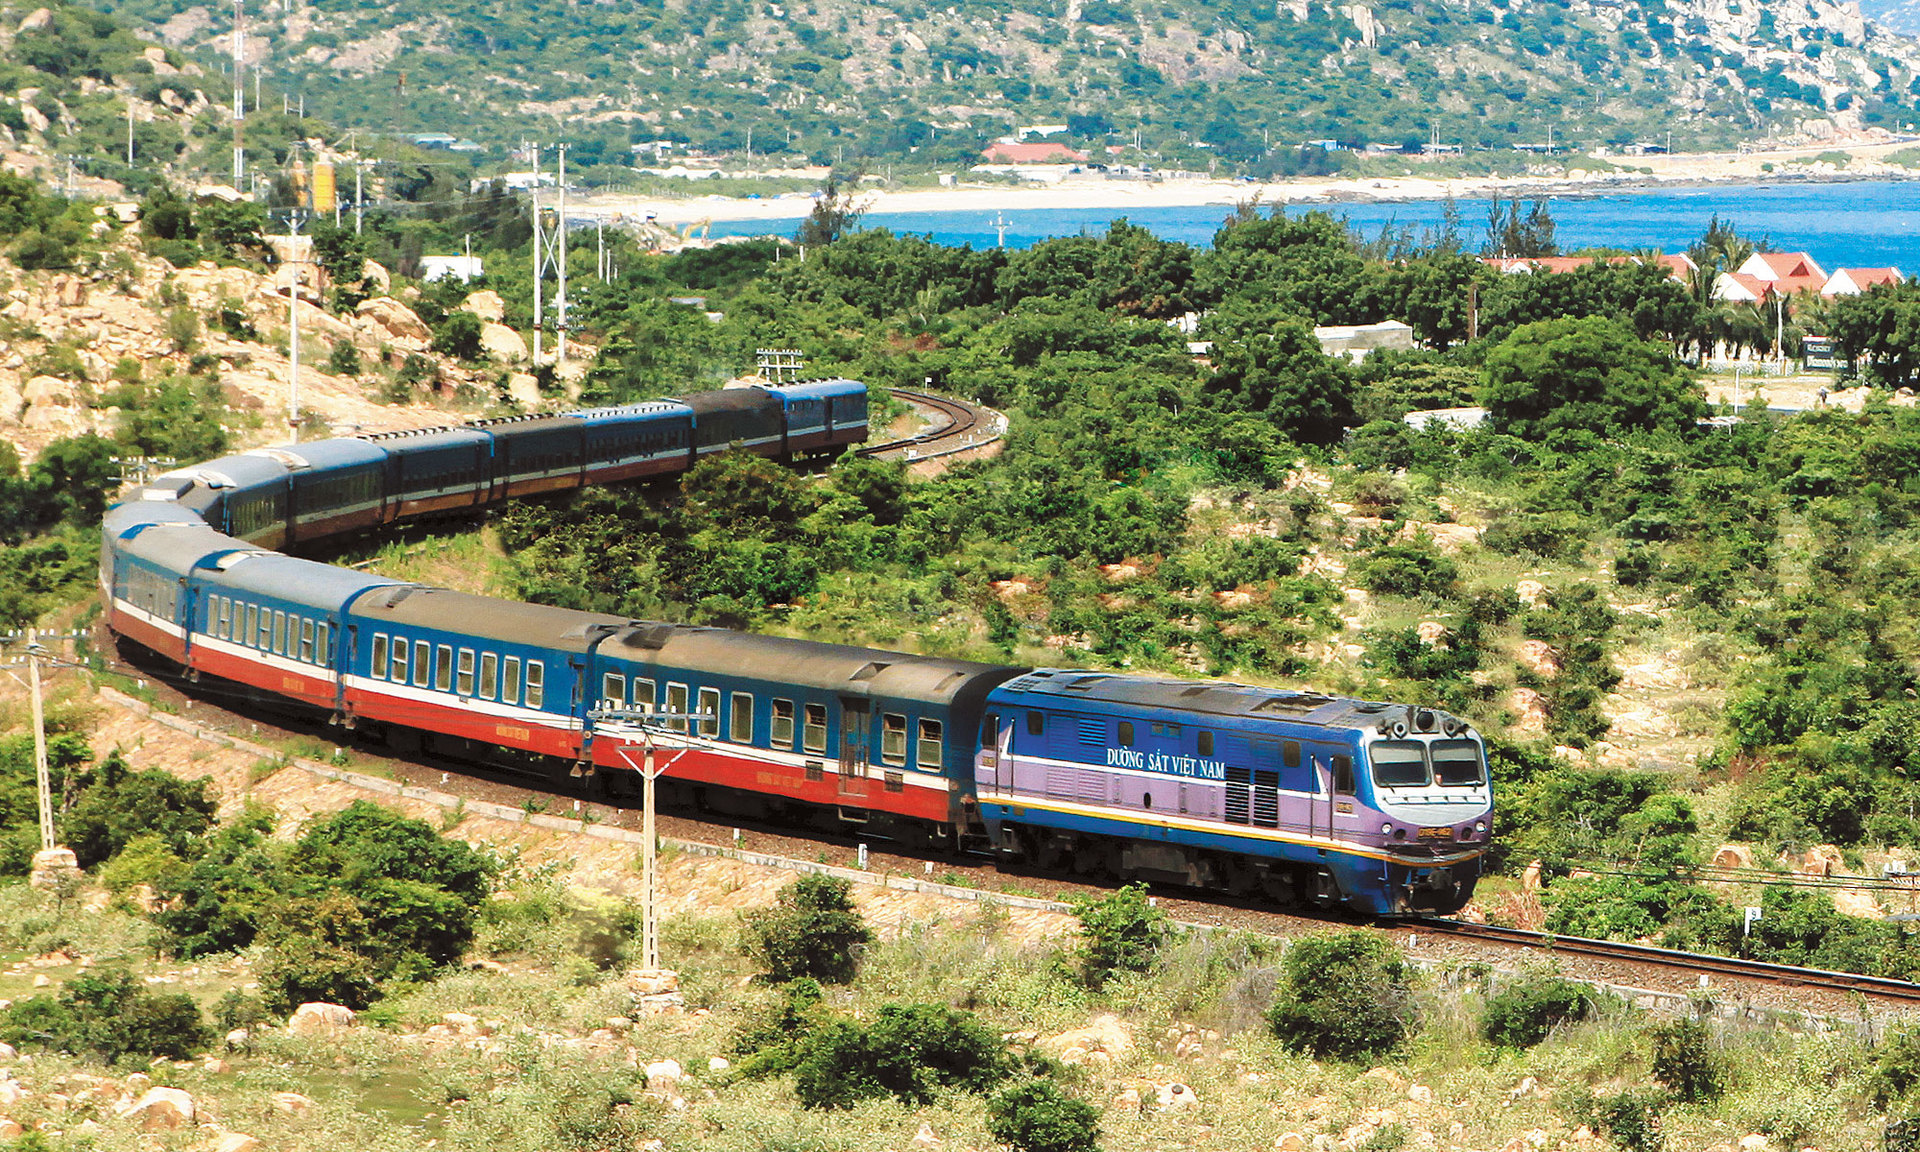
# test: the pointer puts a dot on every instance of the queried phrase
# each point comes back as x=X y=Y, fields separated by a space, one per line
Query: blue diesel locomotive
x=1381 y=808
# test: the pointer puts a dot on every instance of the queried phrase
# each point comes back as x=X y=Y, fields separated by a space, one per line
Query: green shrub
x=1896 y=1067
x=1415 y=568
x=813 y=930
x=1684 y=1062
x=1036 y=1116
x=1344 y=996
x=1119 y=933
x=145 y=860
x=237 y=1009
x=109 y=1014
x=1631 y=1120
x=907 y=1052
x=1522 y=1014
x=773 y=1043
x=344 y=359
x=458 y=336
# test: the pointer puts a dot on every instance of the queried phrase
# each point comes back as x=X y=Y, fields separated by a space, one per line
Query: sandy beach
x=1123 y=195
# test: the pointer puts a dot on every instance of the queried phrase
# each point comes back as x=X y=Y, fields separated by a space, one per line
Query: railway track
x=967 y=426
x=1877 y=987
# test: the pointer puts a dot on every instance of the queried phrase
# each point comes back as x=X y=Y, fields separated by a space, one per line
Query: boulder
x=39 y=20
x=1538 y=658
x=214 y=1066
x=664 y=1073
x=1420 y=1094
x=925 y=1137
x=1531 y=592
x=394 y=318
x=10 y=1129
x=43 y=392
x=487 y=305
x=1733 y=856
x=1530 y=711
x=233 y=1142
x=718 y=1064
x=524 y=389
x=1174 y=1097
x=464 y=1023
x=7 y=1054
x=502 y=343
x=315 y=1018
x=292 y=1103
x=652 y=981
x=377 y=277
x=239 y=1038
x=1105 y=1034
x=160 y=1110
x=1754 y=1142
x=1290 y=1142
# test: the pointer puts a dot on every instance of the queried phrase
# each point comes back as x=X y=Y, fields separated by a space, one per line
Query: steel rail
x=962 y=419
x=1882 y=987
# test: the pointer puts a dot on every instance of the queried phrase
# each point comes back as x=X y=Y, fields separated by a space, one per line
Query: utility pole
x=600 y=248
x=293 y=323
x=40 y=775
x=239 y=106
x=675 y=729
x=358 y=165
x=1000 y=227
x=129 y=129
x=560 y=246
x=539 y=317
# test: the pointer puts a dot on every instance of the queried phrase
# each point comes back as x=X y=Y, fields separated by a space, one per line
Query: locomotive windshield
x=1398 y=764
x=1457 y=762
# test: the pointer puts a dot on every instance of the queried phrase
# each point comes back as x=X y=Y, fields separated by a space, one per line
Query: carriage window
x=1206 y=743
x=815 y=732
x=927 y=755
x=1343 y=775
x=306 y=640
x=1126 y=734
x=893 y=738
x=1036 y=723
x=710 y=712
x=323 y=642
x=613 y=690
x=489 y=674
x=510 y=681
x=782 y=724
x=677 y=705
x=224 y=627
x=643 y=697
x=465 y=672
x=443 y=668
x=1398 y=764
x=278 y=644
x=740 y=724
x=378 y=664
x=256 y=628
x=422 y=656
x=536 y=683
x=399 y=659
x=1457 y=763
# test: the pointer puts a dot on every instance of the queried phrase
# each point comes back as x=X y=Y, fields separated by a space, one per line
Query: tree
x=908 y=1052
x=1284 y=375
x=1512 y=235
x=110 y=1014
x=1879 y=331
x=1036 y=1116
x=1523 y=1013
x=1592 y=374
x=835 y=213
x=1344 y=996
x=458 y=336
x=813 y=930
x=1119 y=933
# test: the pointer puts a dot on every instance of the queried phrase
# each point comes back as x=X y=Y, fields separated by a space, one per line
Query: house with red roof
x=1790 y=273
x=1742 y=288
x=1043 y=152
x=1853 y=281
x=1677 y=264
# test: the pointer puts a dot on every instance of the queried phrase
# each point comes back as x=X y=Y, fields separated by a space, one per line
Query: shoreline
x=1120 y=196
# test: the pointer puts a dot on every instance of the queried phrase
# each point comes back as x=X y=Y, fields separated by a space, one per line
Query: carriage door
x=855 y=716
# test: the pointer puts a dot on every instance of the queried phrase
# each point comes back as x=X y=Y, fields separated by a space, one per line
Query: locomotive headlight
x=1480 y=826
x=1386 y=829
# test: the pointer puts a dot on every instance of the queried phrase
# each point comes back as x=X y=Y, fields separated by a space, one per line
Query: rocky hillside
x=1193 y=82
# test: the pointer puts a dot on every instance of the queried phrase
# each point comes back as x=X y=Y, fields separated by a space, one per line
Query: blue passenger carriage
x=534 y=455
x=334 y=487
x=151 y=549
x=746 y=419
x=1244 y=789
x=244 y=496
x=633 y=441
x=435 y=470
x=823 y=415
x=275 y=623
x=845 y=734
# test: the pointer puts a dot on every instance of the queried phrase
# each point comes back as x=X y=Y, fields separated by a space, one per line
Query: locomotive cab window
x=740 y=722
x=928 y=752
x=378 y=665
x=1036 y=723
x=510 y=681
x=1126 y=734
x=1456 y=763
x=1206 y=743
x=782 y=724
x=1343 y=775
x=990 y=733
x=893 y=738
x=1398 y=764
x=815 y=732
x=536 y=683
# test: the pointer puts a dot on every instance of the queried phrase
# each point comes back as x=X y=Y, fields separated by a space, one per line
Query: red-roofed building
x=1853 y=281
x=1001 y=152
x=1741 y=288
x=1677 y=264
x=1790 y=273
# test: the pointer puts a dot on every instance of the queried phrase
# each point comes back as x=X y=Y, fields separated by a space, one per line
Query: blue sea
x=1855 y=224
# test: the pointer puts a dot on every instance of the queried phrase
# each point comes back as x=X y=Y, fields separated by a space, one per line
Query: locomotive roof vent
x=869 y=670
x=646 y=634
x=1082 y=683
x=1196 y=690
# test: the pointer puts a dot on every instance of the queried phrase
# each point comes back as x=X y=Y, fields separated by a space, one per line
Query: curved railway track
x=967 y=426
x=1877 y=987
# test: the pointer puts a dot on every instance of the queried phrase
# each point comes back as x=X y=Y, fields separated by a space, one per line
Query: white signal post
x=40 y=775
